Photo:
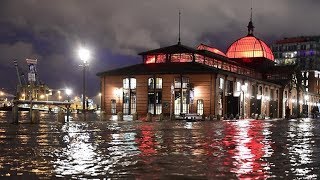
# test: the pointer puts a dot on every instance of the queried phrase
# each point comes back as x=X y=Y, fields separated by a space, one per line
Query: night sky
x=116 y=30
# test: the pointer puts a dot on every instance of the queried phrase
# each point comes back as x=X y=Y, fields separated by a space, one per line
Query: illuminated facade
x=304 y=51
x=182 y=80
x=303 y=54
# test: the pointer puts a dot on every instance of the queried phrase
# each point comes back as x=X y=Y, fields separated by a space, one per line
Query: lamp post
x=100 y=101
x=84 y=55
x=68 y=92
x=306 y=107
x=243 y=89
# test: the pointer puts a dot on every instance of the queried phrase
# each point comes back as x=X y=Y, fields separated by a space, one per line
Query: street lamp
x=243 y=89
x=68 y=92
x=84 y=55
x=100 y=101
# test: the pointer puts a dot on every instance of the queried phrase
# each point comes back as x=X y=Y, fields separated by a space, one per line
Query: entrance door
x=233 y=106
x=255 y=107
x=273 y=106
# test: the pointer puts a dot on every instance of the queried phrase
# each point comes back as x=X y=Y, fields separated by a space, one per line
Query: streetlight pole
x=243 y=89
x=84 y=55
x=68 y=92
x=84 y=89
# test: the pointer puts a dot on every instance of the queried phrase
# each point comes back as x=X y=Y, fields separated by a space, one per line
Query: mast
x=250 y=25
x=179 y=40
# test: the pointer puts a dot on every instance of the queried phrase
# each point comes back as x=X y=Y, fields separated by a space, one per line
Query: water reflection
x=300 y=146
x=245 y=144
x=243 y=149
x=78 y=157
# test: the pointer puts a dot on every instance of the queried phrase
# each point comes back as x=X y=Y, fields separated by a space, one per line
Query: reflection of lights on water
x=248 y=140
x=243 y=157
x=188 y=125
x=80 y=155
x=301 y=148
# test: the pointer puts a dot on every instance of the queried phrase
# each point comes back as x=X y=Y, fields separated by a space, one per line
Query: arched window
x=129 y=95
x=155 y=95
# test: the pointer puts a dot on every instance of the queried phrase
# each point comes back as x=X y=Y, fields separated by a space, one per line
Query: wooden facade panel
x=203 y=89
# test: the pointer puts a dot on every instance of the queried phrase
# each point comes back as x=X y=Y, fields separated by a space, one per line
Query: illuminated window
x=182 y=57
x=181 y=95
x=150 y=59
x=221 y=83
x=238 y=86
x=129 y=95
x=113 y=106
x=155 y=95
x=200 y=106
x=199 y=58
x=161 y=58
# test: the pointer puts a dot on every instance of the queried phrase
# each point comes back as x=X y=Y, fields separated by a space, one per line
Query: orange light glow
x=150 y=59
x=249 y=47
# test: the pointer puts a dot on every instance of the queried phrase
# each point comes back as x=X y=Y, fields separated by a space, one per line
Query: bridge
x=34 y=113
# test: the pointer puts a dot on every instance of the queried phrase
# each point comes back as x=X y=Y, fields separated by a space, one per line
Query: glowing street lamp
x=68 y=92
x=84 y=55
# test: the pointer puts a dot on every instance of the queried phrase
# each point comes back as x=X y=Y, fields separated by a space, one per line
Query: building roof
x=211 y=49
x=174 y=49
x=298 y=39
x=160 y=68
x=249 y=47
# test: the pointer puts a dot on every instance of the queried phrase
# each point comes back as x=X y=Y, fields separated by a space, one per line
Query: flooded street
x=234 y=149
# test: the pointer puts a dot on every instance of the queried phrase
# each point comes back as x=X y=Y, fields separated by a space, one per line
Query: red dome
x=249 y=47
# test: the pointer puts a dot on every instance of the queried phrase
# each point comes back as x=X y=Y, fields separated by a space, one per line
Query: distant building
x=302 y=53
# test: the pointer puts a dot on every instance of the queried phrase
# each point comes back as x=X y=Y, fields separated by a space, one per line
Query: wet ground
x=259 y=149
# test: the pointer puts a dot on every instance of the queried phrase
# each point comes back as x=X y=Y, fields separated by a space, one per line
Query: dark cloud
x=116 y=30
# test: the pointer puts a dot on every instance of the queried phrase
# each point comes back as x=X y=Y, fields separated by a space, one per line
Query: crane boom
x=17 y=69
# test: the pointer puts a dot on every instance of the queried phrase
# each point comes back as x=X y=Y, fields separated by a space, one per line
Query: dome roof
x=249 y=47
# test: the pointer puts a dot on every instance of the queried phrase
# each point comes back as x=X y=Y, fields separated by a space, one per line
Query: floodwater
x=237 y=149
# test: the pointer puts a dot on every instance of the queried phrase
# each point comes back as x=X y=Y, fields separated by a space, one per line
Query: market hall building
x=181 y=80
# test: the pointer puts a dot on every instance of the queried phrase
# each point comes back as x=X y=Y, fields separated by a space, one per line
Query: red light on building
x=250 y=47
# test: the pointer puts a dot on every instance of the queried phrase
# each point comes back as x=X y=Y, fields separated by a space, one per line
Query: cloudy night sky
x=115 y=31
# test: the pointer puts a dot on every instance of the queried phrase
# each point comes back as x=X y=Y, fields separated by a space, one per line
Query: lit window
x=155 y=95
x=200 y=106
x=221 y=83
x=129 y=95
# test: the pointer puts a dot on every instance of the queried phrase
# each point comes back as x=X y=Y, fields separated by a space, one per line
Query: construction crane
x=18 y=74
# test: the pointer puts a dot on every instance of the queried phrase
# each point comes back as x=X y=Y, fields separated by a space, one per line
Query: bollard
x=135 y=116
x=35 y=116
x=203 y=117
x=149 y=117
x=120 y=116
x=173 y=117
x=103 y=116
x=161 y=117
x=15 y=113
x=61 y=117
